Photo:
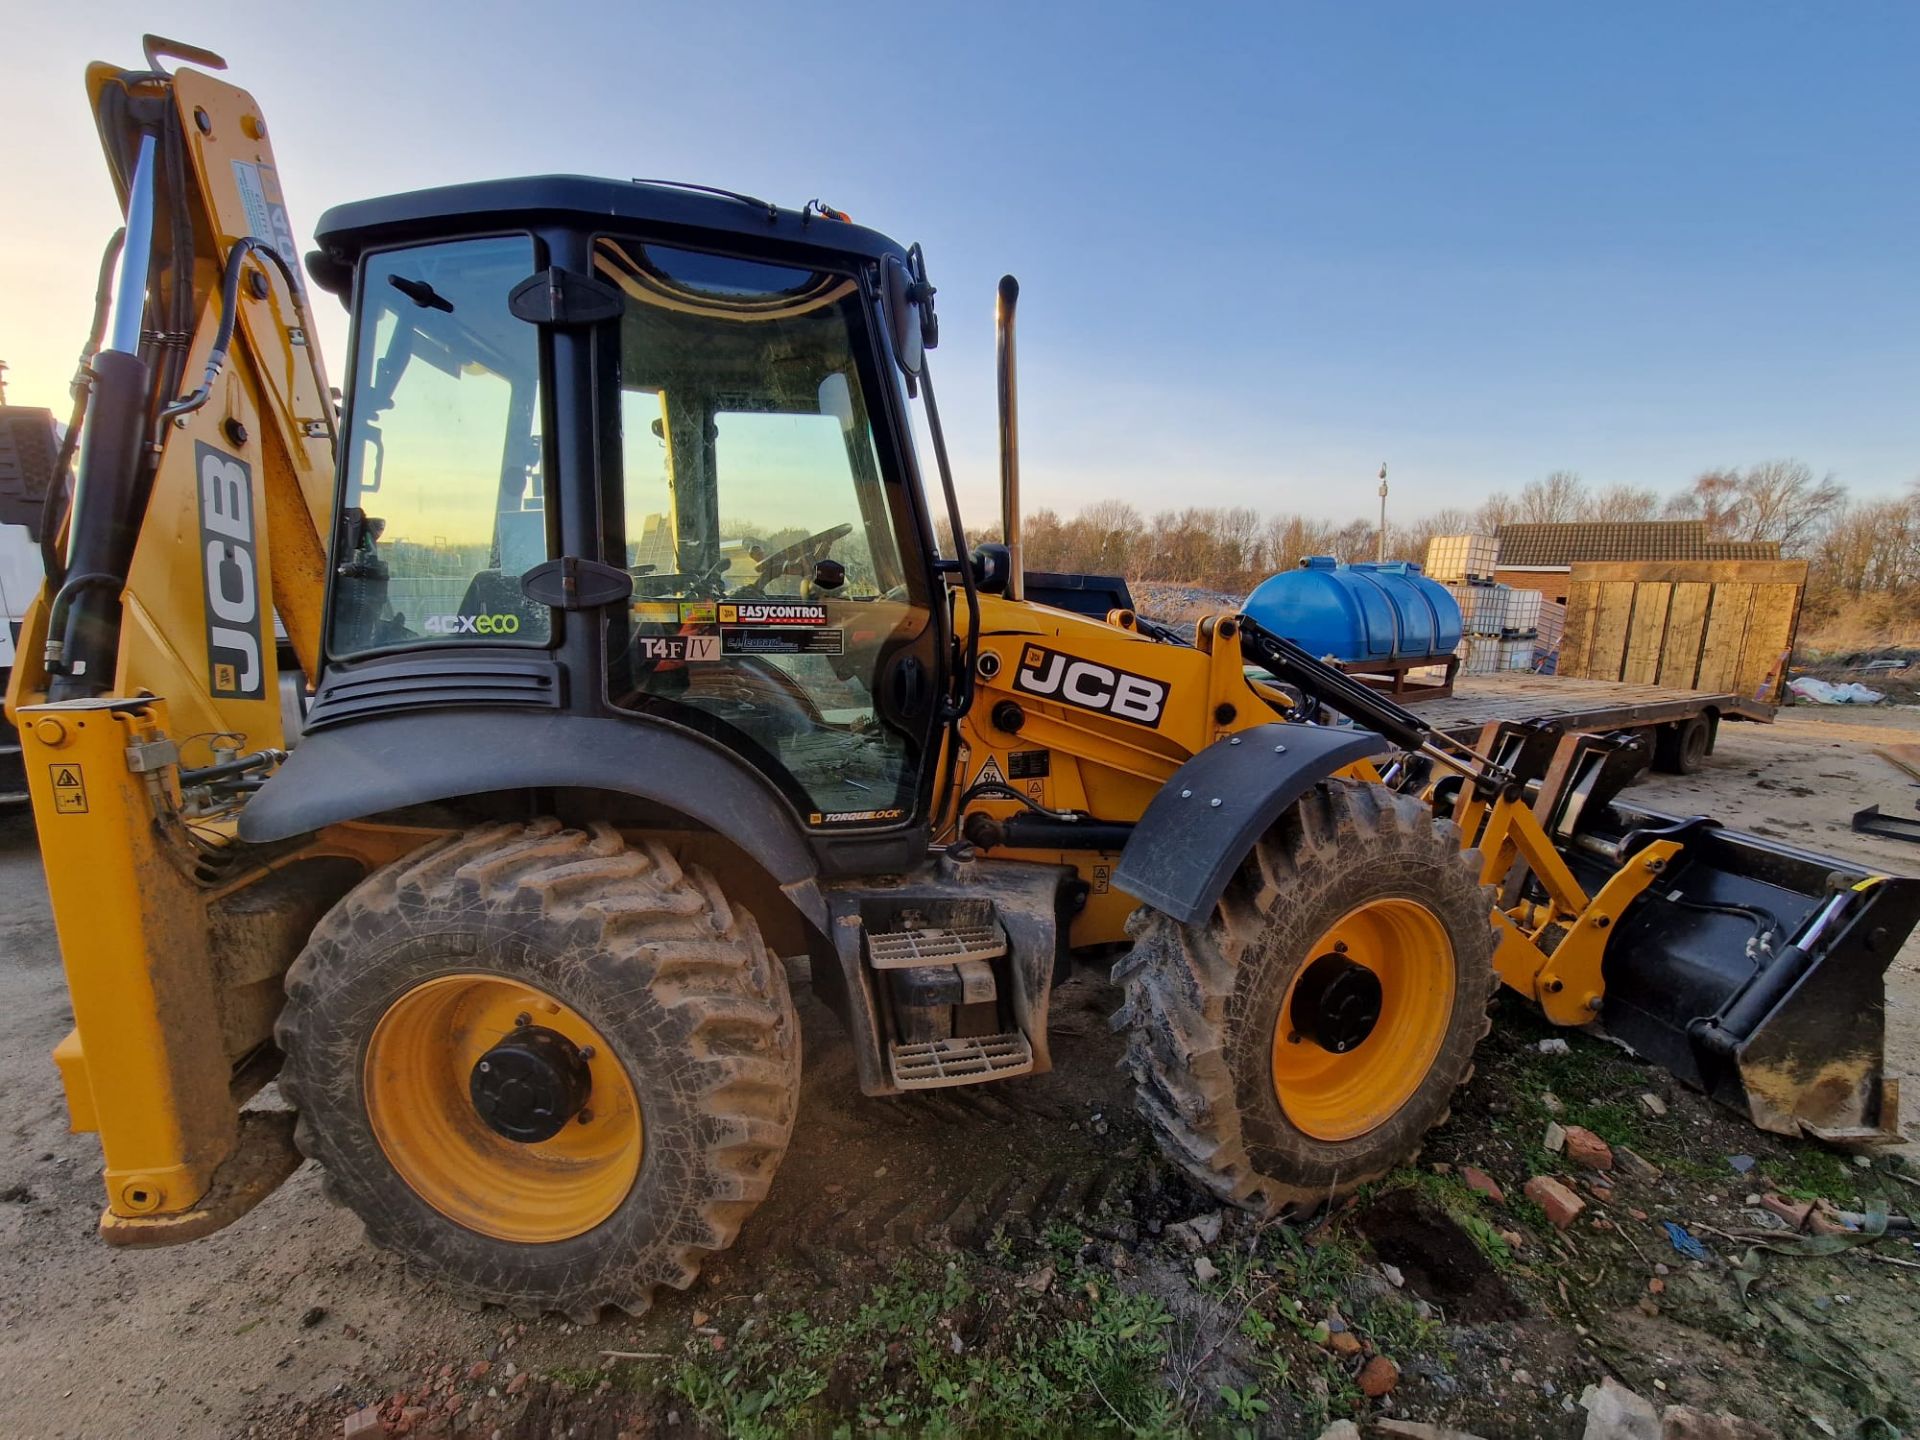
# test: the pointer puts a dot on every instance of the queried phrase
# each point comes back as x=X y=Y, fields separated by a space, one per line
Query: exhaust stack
x=1009 y=437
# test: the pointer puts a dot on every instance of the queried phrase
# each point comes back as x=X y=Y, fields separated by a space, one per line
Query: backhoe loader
x=472 y=760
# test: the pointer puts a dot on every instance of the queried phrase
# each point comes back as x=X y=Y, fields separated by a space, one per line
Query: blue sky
x=1262 y=249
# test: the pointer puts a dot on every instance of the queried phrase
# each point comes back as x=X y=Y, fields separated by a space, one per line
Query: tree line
x=1855 y=547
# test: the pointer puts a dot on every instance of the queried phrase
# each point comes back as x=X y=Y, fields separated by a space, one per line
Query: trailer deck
x=1579 y=705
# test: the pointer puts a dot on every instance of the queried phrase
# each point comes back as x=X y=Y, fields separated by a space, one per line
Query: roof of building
x=29 y=445
x=1568 y=544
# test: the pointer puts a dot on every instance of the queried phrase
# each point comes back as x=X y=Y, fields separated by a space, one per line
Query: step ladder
x=957 y=1060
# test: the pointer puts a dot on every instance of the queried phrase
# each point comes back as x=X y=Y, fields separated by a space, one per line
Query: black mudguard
x=350 y=771
x=1206 y=818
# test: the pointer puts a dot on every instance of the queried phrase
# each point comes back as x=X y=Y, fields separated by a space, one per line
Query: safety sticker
x=658 y=612
x=769 y=612
x=69 y=790
x=1102 y=879
x=694 y=649
x=697 y=612
x=1029 y=764
x=782 y=642
x=990 y=773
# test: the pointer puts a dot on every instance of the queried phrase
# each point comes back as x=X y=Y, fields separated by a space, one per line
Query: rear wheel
x=1303 y=1040
x=552 y=1069
x=1681 y=748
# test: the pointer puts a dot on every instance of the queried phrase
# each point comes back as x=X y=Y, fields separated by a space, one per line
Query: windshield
x=444 y=507
x=770 y=600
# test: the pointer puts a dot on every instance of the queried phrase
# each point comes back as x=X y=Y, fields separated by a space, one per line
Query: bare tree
x=1773 y=500
x=1560 y=497
x=1498 y=509
x=1621 y=503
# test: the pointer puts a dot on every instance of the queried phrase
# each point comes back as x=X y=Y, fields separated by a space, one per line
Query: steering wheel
x=800 y=557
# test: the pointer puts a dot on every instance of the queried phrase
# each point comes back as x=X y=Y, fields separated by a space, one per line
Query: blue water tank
x=1358 y=612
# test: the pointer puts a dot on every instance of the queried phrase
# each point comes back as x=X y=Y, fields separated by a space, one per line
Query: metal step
x=906 y=949
x=11 y=798
x=933 y=1064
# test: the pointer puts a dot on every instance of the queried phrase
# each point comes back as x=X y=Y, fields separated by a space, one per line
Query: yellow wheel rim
x=1335 y=1096
x=419 y=1068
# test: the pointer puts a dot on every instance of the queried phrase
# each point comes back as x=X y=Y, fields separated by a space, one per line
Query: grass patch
x=1082 y=1359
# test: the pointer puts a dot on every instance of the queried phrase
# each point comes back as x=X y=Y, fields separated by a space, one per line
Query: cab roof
x=661 y=208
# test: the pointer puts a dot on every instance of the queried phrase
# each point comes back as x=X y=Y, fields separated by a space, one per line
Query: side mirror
x=903 y=315
x=909 y=297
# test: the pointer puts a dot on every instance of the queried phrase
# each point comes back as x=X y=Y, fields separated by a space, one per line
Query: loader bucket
x=1755 y=972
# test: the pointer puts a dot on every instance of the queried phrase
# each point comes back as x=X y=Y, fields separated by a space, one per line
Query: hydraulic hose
x=53 y=504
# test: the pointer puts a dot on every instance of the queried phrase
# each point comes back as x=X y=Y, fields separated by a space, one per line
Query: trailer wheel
x=549 y=1068
x=1305 y=1038
x=1681 y=748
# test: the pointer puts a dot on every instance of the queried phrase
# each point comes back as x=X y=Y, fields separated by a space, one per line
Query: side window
x=444 y=506
x=783 y=475
x=770 y=605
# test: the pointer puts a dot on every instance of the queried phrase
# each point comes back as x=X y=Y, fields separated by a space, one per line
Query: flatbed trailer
x=1682 y=724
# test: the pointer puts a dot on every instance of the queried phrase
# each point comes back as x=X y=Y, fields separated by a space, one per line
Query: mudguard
x=350 y=771
x=1205 y=819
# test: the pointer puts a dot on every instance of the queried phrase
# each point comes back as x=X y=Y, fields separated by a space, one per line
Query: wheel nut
x=522 y=1020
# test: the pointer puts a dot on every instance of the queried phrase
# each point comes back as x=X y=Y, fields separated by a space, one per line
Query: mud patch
x=1440 y=1261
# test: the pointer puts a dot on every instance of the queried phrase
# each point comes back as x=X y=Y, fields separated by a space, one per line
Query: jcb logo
x=1090 y=685
x=232 y=575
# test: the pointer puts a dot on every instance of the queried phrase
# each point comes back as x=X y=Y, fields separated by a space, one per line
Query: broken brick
x=1563 y=1207
x=1475 y=1178
x=1377 y=1377
x=1587 y=1149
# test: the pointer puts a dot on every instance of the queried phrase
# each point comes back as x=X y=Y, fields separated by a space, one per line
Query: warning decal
x=69 y=790
x=990 y=773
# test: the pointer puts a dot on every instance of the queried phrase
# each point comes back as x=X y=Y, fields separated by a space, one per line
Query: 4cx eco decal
x=1090 y=685
x=235 y=627
x=508 y=624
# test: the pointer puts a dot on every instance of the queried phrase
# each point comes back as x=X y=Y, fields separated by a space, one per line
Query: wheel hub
x=1336 y=1003
x=529 y=1086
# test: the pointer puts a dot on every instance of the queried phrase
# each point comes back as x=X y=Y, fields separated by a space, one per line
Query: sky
x=1262 y=249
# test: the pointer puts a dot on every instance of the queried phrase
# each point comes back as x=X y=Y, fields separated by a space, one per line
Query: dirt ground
x=1002 y=1217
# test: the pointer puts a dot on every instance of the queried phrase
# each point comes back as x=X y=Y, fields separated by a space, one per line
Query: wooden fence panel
x=1726 y=634
x=1646 y=633
x=1686 y=628
x=1701 y=625
x=1612 y=617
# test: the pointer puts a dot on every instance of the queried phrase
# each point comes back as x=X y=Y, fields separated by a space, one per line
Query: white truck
x=29 y=448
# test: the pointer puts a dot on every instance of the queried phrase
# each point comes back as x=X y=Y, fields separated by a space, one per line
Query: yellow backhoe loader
x=466 y=760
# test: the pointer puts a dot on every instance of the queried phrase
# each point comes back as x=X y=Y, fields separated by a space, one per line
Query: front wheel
x=550 y=1068
x=1302 y=1041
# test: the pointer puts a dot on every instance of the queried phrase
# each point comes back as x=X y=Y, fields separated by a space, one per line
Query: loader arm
x=148 y=686
x=205 y=475
x=1748 y=969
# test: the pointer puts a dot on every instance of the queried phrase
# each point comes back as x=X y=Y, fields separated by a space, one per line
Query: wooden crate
x=1693 y=624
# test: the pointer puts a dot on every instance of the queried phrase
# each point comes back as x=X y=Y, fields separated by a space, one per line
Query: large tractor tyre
x=551 y=1069
x=1304 y=1039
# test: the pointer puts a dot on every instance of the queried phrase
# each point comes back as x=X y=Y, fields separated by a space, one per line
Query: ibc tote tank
x=1358 y=612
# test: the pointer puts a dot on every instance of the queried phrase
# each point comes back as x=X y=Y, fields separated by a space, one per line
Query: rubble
x=1684 y=1422
x=1587 y=1149
x=1563 y=1207
x=1477 y=1179
x=1377 y=1377
x=1616 y=1413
